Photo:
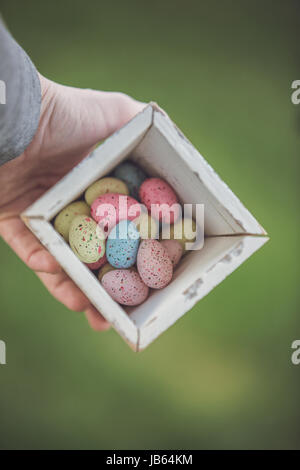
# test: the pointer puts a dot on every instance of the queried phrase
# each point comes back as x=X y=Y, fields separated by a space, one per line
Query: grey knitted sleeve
x=20 y=98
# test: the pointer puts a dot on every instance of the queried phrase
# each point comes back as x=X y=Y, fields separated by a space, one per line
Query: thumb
x=113 y=110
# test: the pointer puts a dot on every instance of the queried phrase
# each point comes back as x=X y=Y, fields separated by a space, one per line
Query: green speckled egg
x=104 y=186
x=86 y=239
x=133 y=176
x=63 y=220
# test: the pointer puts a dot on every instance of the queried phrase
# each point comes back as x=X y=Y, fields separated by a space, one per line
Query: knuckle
x=30 y=259
x=124 y=102
x=99 y=326
x=76 y=304
x=97 y=323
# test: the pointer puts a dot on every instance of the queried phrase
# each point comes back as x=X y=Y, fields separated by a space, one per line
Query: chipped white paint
x=153 y=141
x=197 y=275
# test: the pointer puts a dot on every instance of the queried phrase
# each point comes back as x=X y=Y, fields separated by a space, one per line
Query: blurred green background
x=222 y=377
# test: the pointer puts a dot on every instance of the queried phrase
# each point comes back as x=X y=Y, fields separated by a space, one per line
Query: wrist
x=45 y=85
x=47 y=93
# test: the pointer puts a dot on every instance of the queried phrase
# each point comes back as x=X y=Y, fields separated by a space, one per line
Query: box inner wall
x=158 y=158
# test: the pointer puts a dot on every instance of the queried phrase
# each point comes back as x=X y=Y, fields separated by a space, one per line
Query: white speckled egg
x=174 y=249
x=63 y=220
x=103 y=186
x=154 y=264
x=86 y=239
x=125 y=286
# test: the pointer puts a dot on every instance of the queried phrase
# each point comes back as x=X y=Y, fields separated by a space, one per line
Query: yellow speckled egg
x=147 y=226
x=63 y=220
x=103 y=186
x=86 y=239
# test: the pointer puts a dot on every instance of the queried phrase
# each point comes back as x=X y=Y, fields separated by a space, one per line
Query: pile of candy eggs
x=119 y=234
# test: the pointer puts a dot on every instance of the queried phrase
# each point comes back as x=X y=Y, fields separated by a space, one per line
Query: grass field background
x=222 y=377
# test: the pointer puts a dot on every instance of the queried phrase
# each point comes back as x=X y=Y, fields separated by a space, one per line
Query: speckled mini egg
x=125 y=286
x=107 y=210
x=147 y=226
x=86 y=239
x=174 y=249
x=63 y=220
x=101 y=262
x=184 y=231
x=155 y=192
x=105 y=269
x=133 y=176
x=103 y=186
x=154 y=265
x=122 y=245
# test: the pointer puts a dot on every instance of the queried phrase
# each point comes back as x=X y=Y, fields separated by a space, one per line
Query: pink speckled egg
x=174 y=249
x=108 y=209
x=125 y=286
x=154 y=264
x=155 y=192
x=98 y=264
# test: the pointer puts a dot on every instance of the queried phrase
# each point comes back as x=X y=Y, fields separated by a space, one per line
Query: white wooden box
x=231 y=233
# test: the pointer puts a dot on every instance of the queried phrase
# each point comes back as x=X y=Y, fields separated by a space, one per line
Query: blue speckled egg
x=132 y=175
x=122 y=245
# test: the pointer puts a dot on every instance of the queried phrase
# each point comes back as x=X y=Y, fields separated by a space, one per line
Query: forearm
x=19 y=115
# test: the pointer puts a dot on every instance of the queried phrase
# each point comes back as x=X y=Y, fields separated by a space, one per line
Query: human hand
x=72 y=121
